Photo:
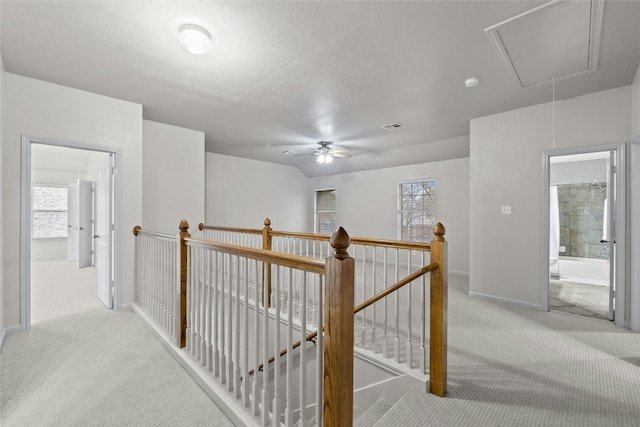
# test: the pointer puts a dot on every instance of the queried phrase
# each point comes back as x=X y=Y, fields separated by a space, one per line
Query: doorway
x=67 y=223
x=584 y=216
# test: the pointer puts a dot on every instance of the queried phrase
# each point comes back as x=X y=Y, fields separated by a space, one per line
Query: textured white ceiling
x=282 y=75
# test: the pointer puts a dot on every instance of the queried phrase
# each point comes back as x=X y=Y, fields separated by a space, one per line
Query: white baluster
x=373 y=293
x=423 y=318
x=409 y=306
x=320 y=358
x=396 y=338
x=276 y=344
x=303 y=346
x=265 y=345
x=216 y=313
x=385 y=342
x=245 y=335
x=209 y=307
x=236 y=338
x=256 y=340
x=288 y=415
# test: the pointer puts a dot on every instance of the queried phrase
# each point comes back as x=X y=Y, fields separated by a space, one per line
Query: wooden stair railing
x=438 y=290
x=391 y=289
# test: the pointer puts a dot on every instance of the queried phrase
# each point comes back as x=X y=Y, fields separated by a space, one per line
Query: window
x=416 y=210
x=49 y=212
x=325 y=218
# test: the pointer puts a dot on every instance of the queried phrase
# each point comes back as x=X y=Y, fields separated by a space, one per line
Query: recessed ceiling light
x=195 y=39
x=472 y=82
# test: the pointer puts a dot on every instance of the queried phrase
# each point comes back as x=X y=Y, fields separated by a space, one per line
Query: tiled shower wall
x=581 y=217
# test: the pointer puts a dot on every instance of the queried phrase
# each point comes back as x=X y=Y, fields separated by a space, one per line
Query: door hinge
x=614 y=169
x=113 y=170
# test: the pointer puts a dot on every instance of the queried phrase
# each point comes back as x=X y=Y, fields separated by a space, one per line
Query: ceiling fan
x=326 y=152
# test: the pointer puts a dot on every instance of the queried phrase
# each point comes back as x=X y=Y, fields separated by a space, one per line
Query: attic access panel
x=554 y=41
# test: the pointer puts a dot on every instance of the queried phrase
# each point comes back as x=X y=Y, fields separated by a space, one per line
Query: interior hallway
x=60 y=289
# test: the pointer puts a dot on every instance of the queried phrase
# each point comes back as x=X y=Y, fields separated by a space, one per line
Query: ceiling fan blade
x=340 y=155
x=340 y=149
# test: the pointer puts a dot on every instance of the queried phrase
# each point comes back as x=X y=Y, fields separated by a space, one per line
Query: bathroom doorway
x=585 y=202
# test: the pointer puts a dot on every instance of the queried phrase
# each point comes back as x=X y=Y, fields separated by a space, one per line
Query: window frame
x=425 y=238
x=316 y=211
x=35 y=185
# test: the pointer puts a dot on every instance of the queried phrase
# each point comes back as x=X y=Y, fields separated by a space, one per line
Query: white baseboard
x=506 y=301
x=6 y=332
x=459 y=273
x=126 y=307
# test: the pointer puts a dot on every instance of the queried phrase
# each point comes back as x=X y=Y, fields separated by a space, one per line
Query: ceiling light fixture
x=472 y=82
x=324 y=159
x=325 y=156
x=195 y=39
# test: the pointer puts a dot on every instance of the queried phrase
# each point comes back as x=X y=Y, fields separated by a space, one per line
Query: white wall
x=634 y=300
x=506 y=169
x=367 y=202
x=40 y=109
x=173 y=177
x=3 y=323
x=242 y=193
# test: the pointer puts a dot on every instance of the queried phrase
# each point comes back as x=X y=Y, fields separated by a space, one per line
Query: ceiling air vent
x=393 y=126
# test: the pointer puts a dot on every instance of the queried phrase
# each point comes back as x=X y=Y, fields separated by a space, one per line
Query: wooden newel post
x=182 y=285
x=266 y=272
x=338 y=333
x=438 y=314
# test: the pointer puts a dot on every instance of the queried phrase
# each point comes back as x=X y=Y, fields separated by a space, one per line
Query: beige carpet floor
x=60 y=289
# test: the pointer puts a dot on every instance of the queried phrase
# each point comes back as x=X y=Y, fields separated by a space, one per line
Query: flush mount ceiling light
x=472 y=82
x=195 y=39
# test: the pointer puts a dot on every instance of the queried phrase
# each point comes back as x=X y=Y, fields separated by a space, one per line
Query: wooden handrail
x=418 y=246
x=312 y=265
x=413 y=276
x=410 y=278
x=202 y=227
x=137 y=230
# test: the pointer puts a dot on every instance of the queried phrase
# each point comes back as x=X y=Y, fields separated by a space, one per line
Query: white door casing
x=113 y=266
x=85 y=229
x=72 y=222
x=611 y=234
x=104 y=231
x=618 y=263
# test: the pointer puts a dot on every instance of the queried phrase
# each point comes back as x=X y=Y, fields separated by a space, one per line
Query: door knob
x=96 y=236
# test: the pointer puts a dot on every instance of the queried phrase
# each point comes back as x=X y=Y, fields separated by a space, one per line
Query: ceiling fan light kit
x=324 y=159
x=326 y=154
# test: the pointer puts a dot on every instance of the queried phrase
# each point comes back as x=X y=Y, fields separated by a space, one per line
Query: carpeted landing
x=84 y=372
x=510 y=366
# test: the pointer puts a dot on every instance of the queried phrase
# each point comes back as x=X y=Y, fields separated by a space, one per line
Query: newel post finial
x=340 y=241
x=184 y=226
x=438 y=232
x=267 y=223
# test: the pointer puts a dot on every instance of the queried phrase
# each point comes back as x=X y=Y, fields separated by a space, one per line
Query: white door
x=610 y=239
x=104 y=231
x=85 y=229
x=72 y=222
